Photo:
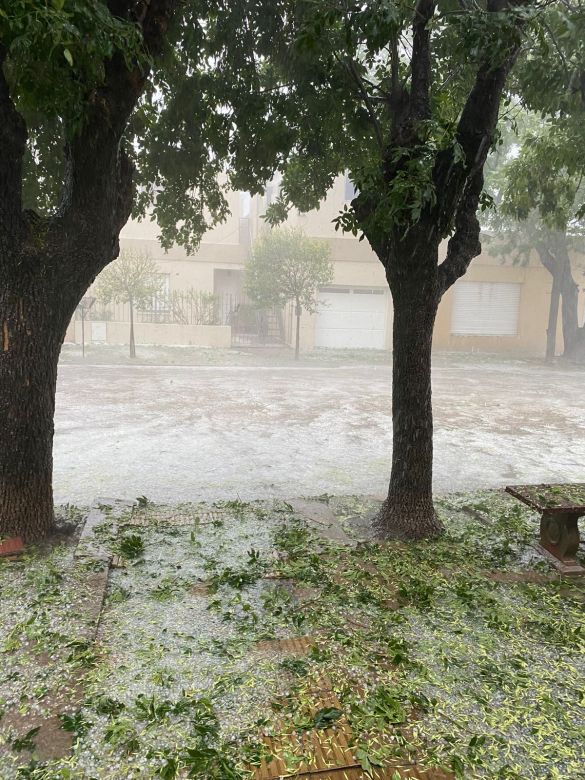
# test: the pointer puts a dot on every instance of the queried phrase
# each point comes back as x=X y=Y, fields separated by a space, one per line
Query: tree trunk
x=48 y=263
x=553 y=317
x=33 y=330
x=132 y=344
x=408 y=512
x=573 y=335
x=298 y=311
x=554 y=255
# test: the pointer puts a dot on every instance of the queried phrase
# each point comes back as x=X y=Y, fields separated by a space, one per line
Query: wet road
x=202 y=433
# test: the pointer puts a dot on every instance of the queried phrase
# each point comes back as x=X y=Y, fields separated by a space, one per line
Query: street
x=189 y=433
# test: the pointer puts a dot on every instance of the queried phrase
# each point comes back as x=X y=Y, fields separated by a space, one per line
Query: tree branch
x=464 y=244
x=99 y=180
x=394 y=66
x=475 y=130
x=13 y=137
x=350 y=65
x=547 y=258
x=420 y=91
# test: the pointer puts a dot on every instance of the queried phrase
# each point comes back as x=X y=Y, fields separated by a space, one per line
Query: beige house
x=496 y=307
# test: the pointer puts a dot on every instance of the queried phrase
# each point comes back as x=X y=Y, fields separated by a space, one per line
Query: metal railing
x=250 y=325
x=190 y=307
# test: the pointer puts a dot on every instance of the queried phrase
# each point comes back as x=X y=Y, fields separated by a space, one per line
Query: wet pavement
x=200 y=433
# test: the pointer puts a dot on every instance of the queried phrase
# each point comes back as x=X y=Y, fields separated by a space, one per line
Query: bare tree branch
x=394 y=66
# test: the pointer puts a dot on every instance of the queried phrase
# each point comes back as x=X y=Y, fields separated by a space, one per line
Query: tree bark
x=34 y=322
x=298 y=333
x=408 y=512
x=132 y=343
x=409 y=253
x=553 y=316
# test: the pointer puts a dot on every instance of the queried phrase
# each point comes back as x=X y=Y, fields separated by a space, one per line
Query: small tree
x=132 y=279
x=287 y=267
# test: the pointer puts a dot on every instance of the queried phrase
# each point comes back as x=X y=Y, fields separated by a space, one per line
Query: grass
x=466 y=654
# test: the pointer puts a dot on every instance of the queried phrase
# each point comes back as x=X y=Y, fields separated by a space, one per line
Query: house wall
x=533 y=308
x=159 y=334
x=226 y=247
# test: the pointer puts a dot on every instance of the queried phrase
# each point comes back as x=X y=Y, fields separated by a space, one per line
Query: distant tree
x=539 y=195
x=550 y=80
x=133 y=279
x=287 y=267
x=544 y=183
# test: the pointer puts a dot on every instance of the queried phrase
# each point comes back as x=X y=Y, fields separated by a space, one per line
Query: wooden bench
x=560 y=506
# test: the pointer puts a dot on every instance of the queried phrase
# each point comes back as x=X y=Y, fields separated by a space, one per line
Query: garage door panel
x=351 y=320
x=363 y=320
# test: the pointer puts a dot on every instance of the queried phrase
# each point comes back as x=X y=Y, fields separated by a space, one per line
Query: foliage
x=59 y=49
x=131 y=546
x=287 y=266
x=551 y=82
x=538 y=191
x=132 y=278
x=194 y=307
x=536 y=195
x=26 y=742
x=347 y=66
x=465 y=654
x=201 y=111
x=537 y=179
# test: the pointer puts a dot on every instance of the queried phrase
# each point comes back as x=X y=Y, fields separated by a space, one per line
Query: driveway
x=190 y=433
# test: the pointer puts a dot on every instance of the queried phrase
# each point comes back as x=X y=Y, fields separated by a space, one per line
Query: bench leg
x=559 y=534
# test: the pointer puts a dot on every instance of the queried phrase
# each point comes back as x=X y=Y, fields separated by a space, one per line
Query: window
x=245 y=201
x=349 y=189
x=485 y=309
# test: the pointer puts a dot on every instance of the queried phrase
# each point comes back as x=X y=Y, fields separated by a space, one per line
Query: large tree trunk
x=408 y=512
x=48 y=263
x=33 y=328
x=408 y=245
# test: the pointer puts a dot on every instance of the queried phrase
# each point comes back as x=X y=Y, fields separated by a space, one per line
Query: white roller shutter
x=485 y=309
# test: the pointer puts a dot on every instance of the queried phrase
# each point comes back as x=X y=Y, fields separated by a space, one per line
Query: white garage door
x=485 y=309
x=352 y=317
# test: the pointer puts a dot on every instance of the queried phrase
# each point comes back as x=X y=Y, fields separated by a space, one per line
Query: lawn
x=256 y=640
